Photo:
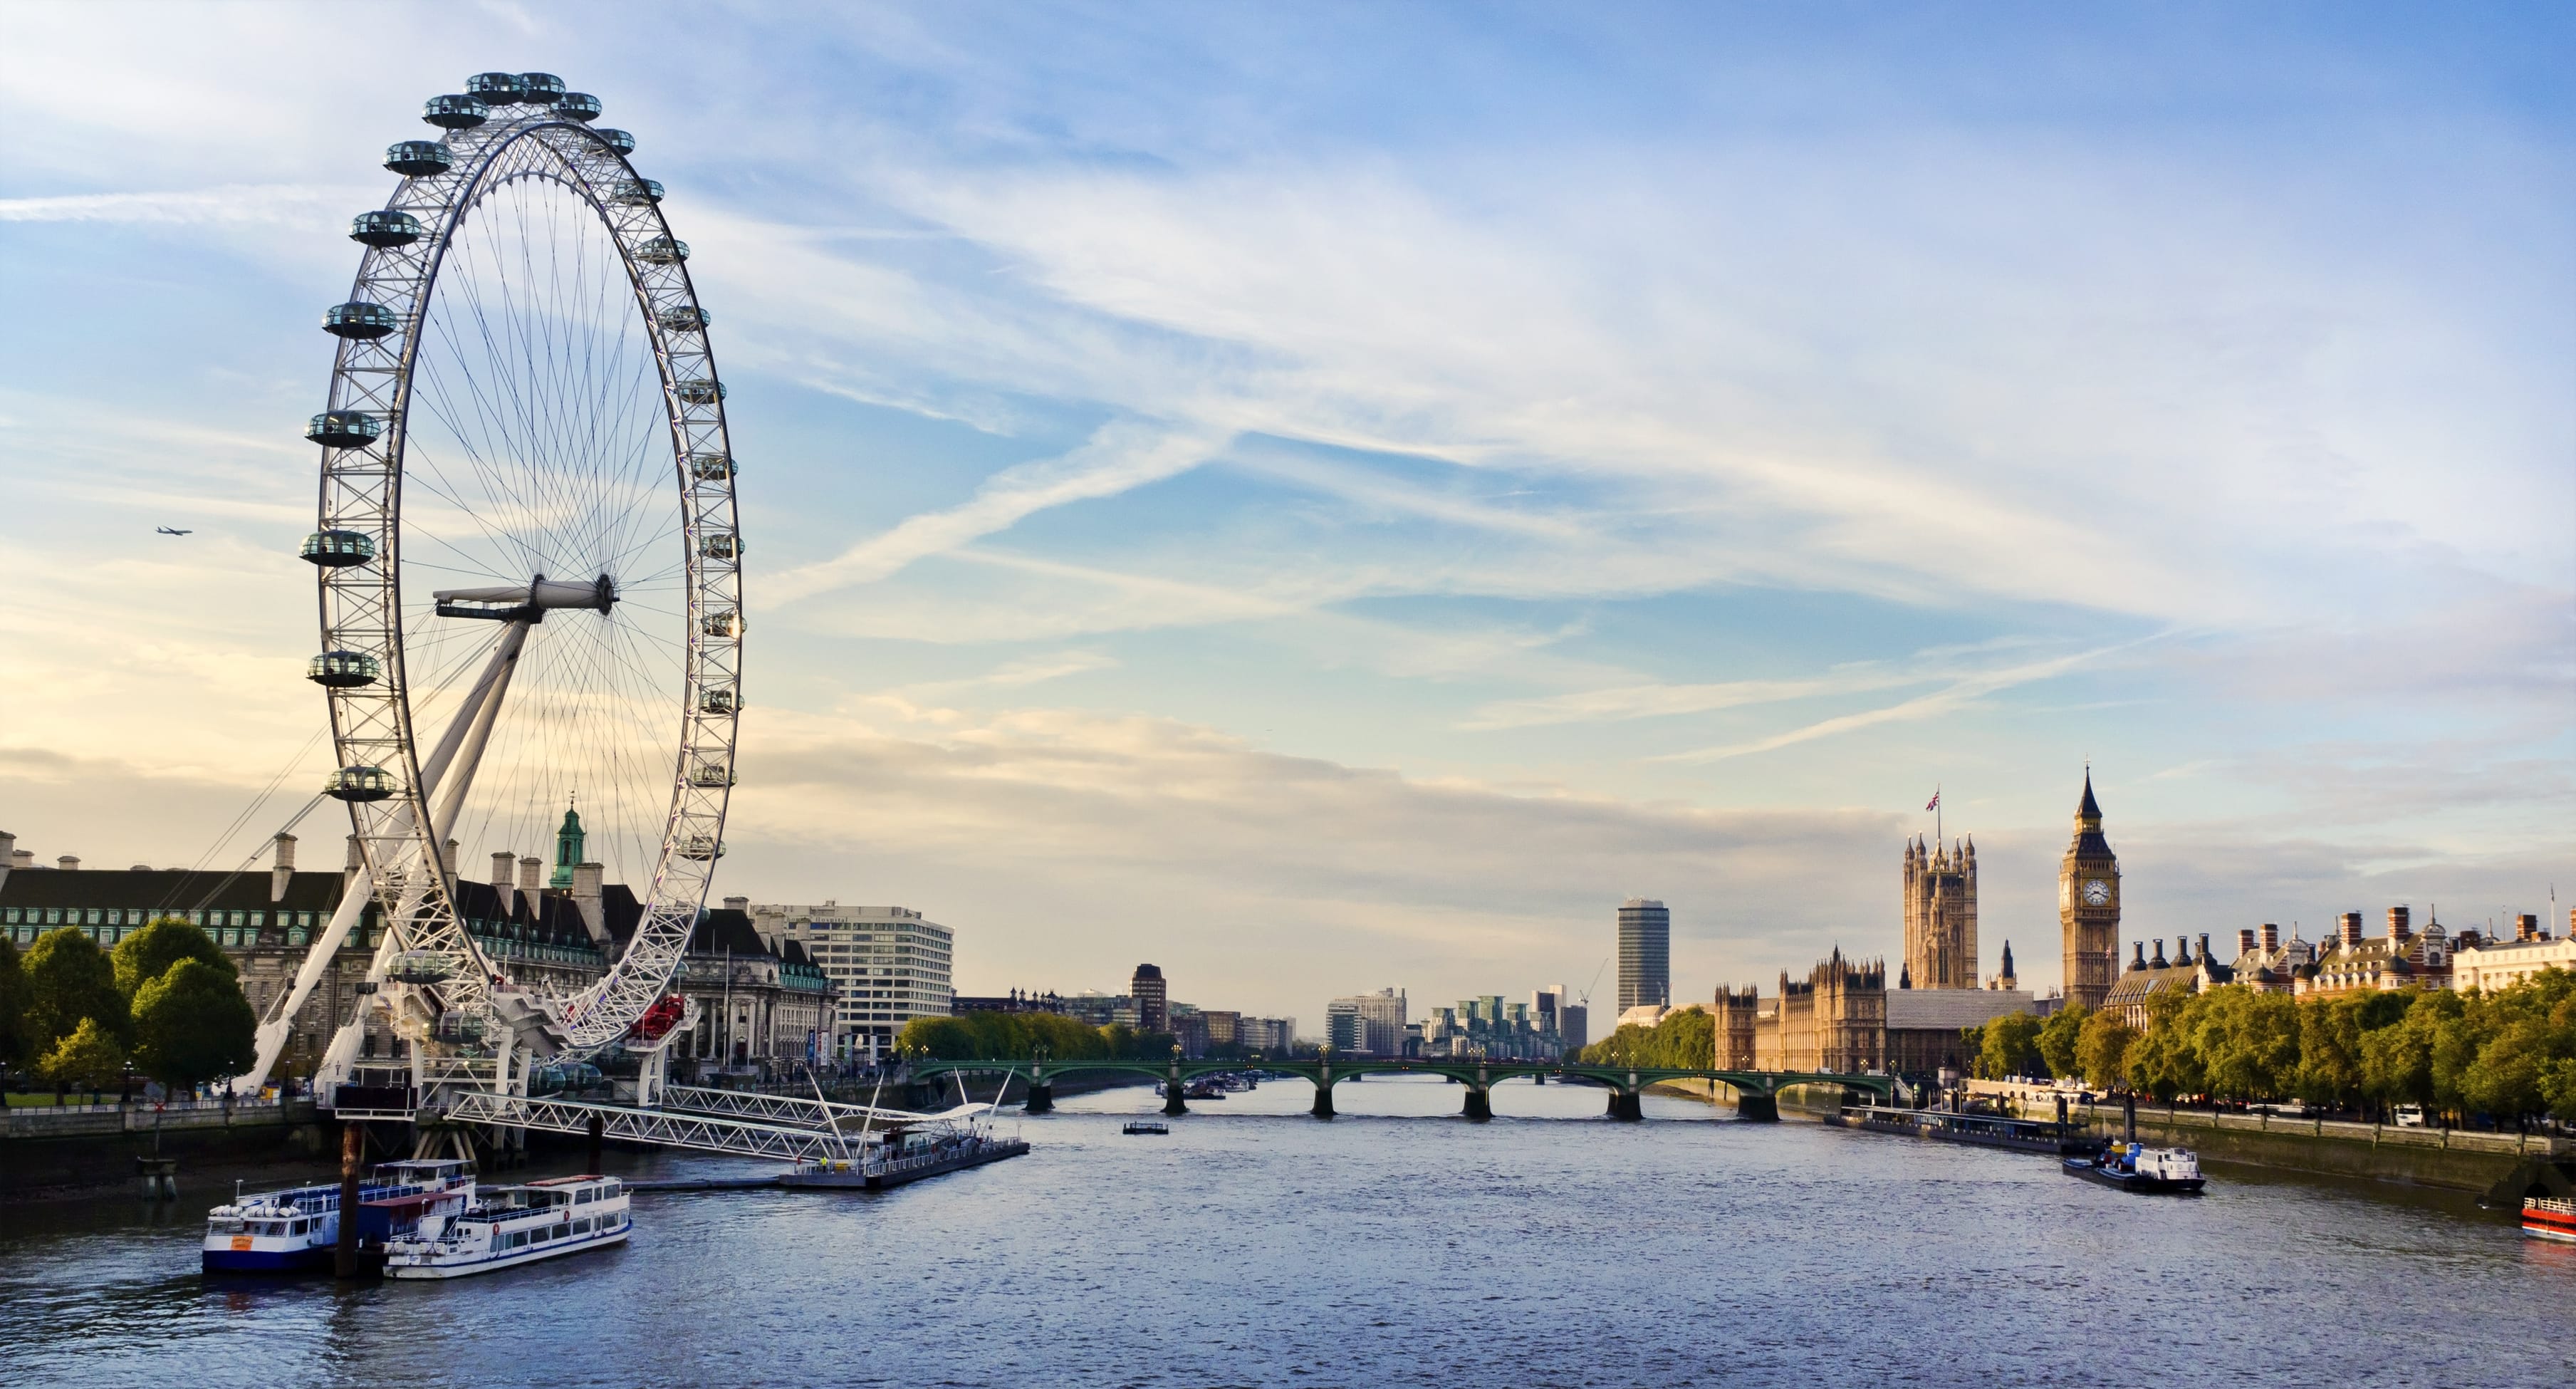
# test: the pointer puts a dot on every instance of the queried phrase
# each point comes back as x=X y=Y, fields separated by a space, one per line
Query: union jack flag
x=1934 y=803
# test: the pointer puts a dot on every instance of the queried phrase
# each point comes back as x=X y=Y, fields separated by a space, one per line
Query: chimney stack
x=738 y=904
x=2351 y=933
x=2526 y=927
x=2271 y=936
x=2182 y=950
x=2139 y=960
x=503 y=861
x=2159 y=961
x=530 y=868
x=2205 y=959
x=8 y=854
x=2399 y=927
x=68 y=863
x=284 y=873
x=586 y=896
x=2245 y=941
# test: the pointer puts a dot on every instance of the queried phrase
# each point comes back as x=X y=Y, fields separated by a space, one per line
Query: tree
x=192 y=1025
x=2397 y=1060
x=87 y=1058
x=17 y=1043
x=2060 y=1039
x=2248 y=1042
x=69 y=979
x=2330 y=1051
x=2165 y=1062
x=2102 y=1049
x=2009 y=1046
x=148 y=954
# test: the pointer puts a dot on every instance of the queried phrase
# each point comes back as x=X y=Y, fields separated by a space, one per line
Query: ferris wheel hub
x=528 y=602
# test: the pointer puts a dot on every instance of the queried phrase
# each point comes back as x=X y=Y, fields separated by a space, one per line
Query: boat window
x=297 y=1228
x=608 y=1188
x=224 y=1227
x=582 y=1197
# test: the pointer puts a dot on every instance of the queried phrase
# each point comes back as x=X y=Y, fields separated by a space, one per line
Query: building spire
x=2089 y=813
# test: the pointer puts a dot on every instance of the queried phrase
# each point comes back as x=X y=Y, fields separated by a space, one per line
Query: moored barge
x=1982 y=1130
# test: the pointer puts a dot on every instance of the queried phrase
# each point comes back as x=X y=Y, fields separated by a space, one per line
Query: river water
x=1397 y=1244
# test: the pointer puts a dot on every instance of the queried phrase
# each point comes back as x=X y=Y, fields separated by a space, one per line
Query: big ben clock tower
x=2088 y=906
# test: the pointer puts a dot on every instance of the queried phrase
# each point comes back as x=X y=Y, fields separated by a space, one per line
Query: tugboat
x=2549 y=1217
x=2156 y=1171
x=514 y=1225
x=297 y=1230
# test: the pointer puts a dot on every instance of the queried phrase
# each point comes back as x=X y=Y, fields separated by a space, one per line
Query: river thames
x=1395 y=1244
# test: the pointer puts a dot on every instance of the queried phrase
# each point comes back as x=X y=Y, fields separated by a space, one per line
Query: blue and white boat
x=513 y=1225
x=296 y=1230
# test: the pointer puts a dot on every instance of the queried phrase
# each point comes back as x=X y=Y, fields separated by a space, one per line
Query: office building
x=1645 y=954
x=888 y=965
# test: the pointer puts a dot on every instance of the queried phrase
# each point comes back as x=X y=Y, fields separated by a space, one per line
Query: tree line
x=2509 y=1054
x=165 y=1001
x=1687 y=1039
x=1016 y=1037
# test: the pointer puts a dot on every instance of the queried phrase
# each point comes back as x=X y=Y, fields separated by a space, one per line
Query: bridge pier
x=1480 y=1105
x=1172 y=1100
x=1627 y=1106
x=1323 y=1101
x=1758 y=1108
x=1041 y=1099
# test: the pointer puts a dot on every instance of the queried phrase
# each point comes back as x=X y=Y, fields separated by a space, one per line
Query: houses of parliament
x=1845 y=1017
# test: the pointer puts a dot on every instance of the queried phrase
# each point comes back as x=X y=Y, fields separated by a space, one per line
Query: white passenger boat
x=513 y=1225
x=296 y=1230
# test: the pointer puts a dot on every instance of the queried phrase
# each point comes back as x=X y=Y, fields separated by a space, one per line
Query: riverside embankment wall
x=46 y=1146
x=2452 y=1158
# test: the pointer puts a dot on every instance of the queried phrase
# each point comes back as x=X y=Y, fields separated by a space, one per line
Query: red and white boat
x=2549 y=1217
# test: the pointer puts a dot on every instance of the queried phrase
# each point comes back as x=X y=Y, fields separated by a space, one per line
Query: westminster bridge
x=1757 y=1093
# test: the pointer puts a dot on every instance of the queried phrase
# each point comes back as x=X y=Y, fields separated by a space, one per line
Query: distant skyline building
x=1372 y=1024
x=1153 y=999
x=1645 y=954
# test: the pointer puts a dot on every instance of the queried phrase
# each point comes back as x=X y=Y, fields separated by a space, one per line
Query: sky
x=1330 y=497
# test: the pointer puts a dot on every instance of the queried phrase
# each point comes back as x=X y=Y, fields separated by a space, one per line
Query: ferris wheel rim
x=364 y=432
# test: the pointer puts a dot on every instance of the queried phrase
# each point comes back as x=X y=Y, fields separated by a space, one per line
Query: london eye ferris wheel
x=528 y=559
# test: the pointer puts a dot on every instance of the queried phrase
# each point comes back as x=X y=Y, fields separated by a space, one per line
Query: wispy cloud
x=1956 y=695
x=1121 y=455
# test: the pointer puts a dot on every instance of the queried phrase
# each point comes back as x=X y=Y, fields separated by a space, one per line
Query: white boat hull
x=465 y=1267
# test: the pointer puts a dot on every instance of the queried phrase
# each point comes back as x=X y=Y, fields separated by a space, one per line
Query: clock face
x=2096 y=893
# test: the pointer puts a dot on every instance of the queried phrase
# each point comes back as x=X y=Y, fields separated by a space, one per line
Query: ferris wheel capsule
x=359 y=785
x=359 y=319
x=637 y=192
x=384 y=229
x=711 y=467
x=617 y=140
x=699 y=391
x=687 y=318
x=497 y=88
x=339 y=549
x=343 y=670
x=417 y=158
x=540 y=88
x=344 y=429
x=456 y=112
x=578 y=106
x=662 y=250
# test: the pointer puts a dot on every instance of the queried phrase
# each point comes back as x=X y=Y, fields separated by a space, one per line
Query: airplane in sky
x=165 y=530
